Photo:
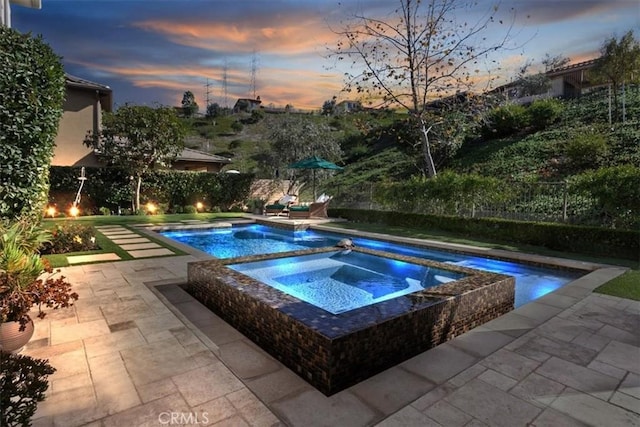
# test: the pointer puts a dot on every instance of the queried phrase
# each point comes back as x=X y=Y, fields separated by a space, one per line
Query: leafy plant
x=586 y=150
x=23 y=383
x=504 y=121
x=70 y=237
x=544 y=112
x=27 y=280
x=32 y=87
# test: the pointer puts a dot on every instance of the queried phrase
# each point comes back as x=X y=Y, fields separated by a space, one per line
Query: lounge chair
x=281 y=206
x=313 y=210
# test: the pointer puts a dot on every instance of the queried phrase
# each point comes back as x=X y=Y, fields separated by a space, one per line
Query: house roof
x=573 y=67
x=79 y=82
x=190 y=155
x=105 y=92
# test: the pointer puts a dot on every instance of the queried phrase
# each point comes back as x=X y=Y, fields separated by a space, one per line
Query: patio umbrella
x=314 y=163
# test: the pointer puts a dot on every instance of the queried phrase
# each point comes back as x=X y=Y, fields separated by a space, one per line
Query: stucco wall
x=81 y=114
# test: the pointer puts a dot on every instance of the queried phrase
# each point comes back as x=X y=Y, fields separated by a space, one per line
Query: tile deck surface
x=136 y=350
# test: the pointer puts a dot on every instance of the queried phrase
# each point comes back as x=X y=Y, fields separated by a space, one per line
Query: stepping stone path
x=135 y=244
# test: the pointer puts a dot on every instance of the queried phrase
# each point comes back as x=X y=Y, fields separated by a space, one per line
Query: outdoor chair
x=281 y=206
x=316 y=209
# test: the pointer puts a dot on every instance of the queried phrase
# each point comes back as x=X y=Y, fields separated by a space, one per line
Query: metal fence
x=540 y=201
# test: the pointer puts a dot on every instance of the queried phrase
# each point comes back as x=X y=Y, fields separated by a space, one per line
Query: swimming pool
x=341 y=281
x=334 y=350
x=532 y=282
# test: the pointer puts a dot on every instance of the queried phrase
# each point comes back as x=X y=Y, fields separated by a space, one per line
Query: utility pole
x=206 y=94
x=254 y=72
x=225 y=93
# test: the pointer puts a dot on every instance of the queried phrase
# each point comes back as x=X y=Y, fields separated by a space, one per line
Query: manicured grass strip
x=97 y=220
x=445 y=236
x=106 y=246
x=624 y=286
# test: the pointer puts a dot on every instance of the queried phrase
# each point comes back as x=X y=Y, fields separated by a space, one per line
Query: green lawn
x=625 y=286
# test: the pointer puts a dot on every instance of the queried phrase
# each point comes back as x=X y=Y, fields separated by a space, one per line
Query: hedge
x=32 y=89
x=110 y=188
x=562 y=237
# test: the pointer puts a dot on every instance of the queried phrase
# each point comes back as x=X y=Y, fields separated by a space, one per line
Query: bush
x=190 y=209
x=32 y=90
x=504 y=121
x=105 y=211
x=447 y=192
x=71 y=237
x=617 y=192
x=23 y=381
x=562 y=237
x=586 y=150
x=544 y=112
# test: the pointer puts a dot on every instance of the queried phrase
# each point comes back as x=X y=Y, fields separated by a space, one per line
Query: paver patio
x=136 y=349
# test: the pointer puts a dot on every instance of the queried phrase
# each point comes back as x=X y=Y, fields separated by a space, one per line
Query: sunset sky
x=152 y=51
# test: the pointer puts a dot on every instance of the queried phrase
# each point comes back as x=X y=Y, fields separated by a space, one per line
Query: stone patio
x=136 y=350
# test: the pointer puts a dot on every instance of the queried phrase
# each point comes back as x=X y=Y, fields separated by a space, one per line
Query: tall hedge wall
x=111 y=188
x=32 y=90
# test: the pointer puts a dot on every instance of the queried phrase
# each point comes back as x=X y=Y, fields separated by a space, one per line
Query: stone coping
x=333 y=326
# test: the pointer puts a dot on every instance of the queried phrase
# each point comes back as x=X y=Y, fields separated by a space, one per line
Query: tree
x=294 y=138
x=137 y=138
x=189 y=105
x=213 y=110
x=554 y=62
x=328 y=107
x=420 y=52
x=619 y=64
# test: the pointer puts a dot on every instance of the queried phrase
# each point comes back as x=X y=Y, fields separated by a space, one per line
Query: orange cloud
x=306 y=35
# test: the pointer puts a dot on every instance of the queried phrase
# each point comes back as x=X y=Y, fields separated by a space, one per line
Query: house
x=246 y=105
x=347 y=107
x=82 y=113
x=565 y=82
x=193 y=160
x=573 y=80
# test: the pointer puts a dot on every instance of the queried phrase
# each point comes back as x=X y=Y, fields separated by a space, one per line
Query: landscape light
x=74 y=211
x=151 y=208
x=199 y=206
x=51 y=211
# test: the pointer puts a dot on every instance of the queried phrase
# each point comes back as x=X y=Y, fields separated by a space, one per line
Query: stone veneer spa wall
x=333 y=352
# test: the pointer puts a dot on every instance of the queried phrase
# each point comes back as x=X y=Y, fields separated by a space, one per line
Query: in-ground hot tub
x=381 y=309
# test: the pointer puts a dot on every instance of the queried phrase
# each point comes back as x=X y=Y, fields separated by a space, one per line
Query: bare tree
x=420 y=52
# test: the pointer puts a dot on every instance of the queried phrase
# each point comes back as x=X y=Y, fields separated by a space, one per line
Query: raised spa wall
x=333 y=352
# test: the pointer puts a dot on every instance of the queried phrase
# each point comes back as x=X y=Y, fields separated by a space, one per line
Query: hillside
x=579 y=140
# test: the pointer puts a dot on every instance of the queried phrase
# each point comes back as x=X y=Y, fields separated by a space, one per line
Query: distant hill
x=580 y=140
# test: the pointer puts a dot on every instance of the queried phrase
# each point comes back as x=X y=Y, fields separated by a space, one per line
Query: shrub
x=32 y=89
x=504 y=121
x=105 y=211
x=586 y=150
x=71 y=237
x=617 y=193
x=23 y=381
x=190 y=209
x=544 y=112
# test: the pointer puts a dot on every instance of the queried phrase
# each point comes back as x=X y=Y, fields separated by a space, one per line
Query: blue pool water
x=344 y=280
x=231 y=242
